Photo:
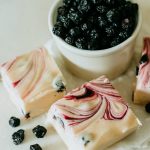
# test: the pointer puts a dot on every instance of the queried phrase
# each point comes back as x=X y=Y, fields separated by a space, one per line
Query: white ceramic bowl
x=88 y=64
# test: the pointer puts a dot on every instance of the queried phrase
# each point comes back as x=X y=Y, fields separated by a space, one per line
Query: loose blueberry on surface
x=14 y=122
x=35 y=147
x=39 y=131
x=144 y=59
x=18 y=137
x=147 y=108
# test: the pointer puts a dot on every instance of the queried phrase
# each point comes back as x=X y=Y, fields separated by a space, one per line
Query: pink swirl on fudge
x=142 y=91
x=31 y=74
x=93 y=116
x=33 y=80
x=106 y=103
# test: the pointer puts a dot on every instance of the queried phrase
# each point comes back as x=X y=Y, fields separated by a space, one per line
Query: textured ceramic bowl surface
x=88 y=64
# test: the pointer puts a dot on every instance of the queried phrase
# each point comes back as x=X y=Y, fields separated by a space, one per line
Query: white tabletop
x=23 y=26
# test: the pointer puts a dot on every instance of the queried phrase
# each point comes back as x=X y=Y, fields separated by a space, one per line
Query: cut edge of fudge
x=72 y=122
x=41 y=95
x=142 y=89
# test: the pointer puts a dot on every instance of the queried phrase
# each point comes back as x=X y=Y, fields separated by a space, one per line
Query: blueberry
x=96 y=1
x=75 y=16
x=147 y=108
x=144 y=59
x=102 y=23
x=81 y=43
x=113 y=15
x=94 y=34
x=110 y=2
x=58 y=30
x=62 y=10
x=93 y=45
x=35 y=147
x=39 y=131
x=110 y=32
x=65 y=21
x=126 y=24
x=123 y=35
x=18 y=137
x=69 y=40
x=60 y=85
x=14 y=122
x=67 y=2
x=74 y=32
x=101 y=9
x=115 y=42
x=84 y=6
x=86 y=26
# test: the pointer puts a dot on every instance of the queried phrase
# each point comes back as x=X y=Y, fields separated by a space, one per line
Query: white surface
x=23 y=26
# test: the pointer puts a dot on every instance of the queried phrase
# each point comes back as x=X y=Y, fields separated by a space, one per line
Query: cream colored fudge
x=92 y=117
x=142 y=90
x=33 y=81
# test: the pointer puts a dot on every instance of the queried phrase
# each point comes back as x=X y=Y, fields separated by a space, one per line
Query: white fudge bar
x=33 y=81
x=142 y=90
x=92 y=117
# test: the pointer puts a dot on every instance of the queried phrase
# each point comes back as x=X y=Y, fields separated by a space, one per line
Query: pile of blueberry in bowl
x=95 y=24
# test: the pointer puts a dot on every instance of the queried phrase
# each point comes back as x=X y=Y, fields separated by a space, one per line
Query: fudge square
x=92 y=117
x=33 y=81
x=142 y=90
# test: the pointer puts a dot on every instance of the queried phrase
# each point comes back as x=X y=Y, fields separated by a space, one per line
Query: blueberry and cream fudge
x=93 y=116
x=33 y=81
x=142 y=90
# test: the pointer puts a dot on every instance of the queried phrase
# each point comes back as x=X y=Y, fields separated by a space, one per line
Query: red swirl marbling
x=25 y=76
x=106 y=104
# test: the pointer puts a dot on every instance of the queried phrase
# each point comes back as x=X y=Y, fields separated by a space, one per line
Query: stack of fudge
x=91 y=117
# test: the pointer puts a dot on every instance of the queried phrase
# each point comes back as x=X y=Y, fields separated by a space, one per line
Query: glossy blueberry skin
x=39 y=131
x=18 y=137
x=14 y=122
x=35 y=147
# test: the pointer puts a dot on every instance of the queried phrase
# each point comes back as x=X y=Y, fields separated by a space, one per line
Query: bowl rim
x=86 y=52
